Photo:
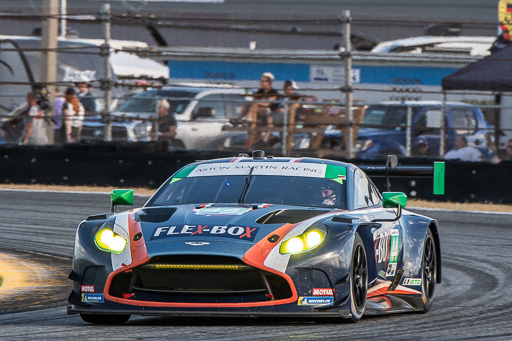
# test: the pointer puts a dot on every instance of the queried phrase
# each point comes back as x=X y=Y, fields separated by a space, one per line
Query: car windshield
x=287 y=190
x=386 y=116
x=145 y=102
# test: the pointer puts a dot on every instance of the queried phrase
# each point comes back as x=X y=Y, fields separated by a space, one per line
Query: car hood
x=220 y=230
x=377 y=134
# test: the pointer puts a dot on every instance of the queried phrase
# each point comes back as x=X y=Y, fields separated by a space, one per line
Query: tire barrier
x=147 y=165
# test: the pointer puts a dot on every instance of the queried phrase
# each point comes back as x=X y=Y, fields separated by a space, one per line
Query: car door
x=387 y=235
x=203 y=129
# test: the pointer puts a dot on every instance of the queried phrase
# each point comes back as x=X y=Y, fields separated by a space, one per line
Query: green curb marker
x=439 y=169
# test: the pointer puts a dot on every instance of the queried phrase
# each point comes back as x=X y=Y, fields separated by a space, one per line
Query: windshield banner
x=314 y=170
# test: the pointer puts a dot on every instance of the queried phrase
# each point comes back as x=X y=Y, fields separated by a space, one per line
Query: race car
x=257 y=236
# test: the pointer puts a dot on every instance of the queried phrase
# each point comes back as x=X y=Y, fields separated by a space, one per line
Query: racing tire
x=429 y=271
x=358 y=280
x=105 y=319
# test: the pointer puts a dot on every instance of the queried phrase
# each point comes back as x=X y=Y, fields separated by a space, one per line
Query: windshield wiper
x=246 y=187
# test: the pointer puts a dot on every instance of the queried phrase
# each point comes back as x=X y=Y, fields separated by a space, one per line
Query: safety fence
x=147 y=165
x=316 y=123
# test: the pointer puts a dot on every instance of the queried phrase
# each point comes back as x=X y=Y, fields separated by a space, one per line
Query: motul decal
x=226 y=231
x=323 y=292
x=87 y=288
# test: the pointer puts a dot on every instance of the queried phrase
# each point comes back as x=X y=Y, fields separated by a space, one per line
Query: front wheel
x=429 y=271
x=105 y=319
x=358 y=279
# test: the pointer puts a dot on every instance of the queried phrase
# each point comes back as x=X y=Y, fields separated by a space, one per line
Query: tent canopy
x=492 y=73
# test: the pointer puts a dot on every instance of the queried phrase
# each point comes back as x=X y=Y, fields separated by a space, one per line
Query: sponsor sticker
x=387 y=246
x=314 y=170
x=412 y=281
x=323 y=292
x=307 y=300
x=226 y=231
x=93 y=298
x=87 y=288
x=391 y=270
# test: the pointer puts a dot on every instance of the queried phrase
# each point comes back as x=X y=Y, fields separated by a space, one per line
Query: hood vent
x=288 y=216
x=155 y=214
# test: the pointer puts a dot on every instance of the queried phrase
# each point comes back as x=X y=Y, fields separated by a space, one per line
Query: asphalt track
x=473 y=302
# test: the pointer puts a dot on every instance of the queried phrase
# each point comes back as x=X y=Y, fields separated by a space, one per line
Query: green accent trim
x=340 y=180
x=122 y=196
x=392 y=199
x=335 y=172
x=185 y=171
x=174 y=180
x=439 y=175
x=395 y=244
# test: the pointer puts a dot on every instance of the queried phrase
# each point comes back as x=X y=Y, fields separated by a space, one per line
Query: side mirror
x=120 y=197
x=205 y=112
x=394 y=199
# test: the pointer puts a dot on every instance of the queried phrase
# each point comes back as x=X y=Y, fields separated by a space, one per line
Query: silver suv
x=201 y=113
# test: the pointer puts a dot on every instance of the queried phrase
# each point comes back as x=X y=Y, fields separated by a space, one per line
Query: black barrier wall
x=143 y=166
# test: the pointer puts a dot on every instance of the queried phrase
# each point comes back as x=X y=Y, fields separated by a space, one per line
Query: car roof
x=270 y=159
x=196 y=90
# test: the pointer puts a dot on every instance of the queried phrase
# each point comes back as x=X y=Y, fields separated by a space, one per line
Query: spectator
x=35 y=125
x=86 y=98
x=461 y=151
x=507 y=154
x=166 y=122
x=289 y=90
x=422 y=148
x=73 y=113
x=266 y=91
x=58 y=103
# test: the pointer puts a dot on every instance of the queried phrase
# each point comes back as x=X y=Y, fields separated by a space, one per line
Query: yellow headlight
x=293 y=245
x=109 y=241
x=304 y=242
x=313 y=238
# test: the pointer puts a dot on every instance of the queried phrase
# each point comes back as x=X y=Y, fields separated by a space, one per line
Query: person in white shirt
x=461 y=151
x=35 y=125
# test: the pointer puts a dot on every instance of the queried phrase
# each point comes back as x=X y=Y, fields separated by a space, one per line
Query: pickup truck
x=384 y=128
x=201 y=113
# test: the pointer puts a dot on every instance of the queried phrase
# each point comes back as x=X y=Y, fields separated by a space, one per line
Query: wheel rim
x=429 y=267
x=359 y=278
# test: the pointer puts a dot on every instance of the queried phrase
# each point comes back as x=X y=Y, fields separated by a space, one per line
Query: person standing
x=35 y=126
x=166 y=122
x=73 y=113
x=58 y=103
x=86 y=98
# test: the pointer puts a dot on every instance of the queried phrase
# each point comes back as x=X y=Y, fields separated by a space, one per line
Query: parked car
x=201 y=113
x=384 y=128
x=474 y=46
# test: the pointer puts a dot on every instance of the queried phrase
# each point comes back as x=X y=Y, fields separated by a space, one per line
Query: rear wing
x=391 y=169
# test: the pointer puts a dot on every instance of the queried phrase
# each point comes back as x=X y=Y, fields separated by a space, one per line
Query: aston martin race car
x=257 y=236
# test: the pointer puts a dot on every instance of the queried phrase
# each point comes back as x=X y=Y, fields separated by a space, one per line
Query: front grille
x=199 y=279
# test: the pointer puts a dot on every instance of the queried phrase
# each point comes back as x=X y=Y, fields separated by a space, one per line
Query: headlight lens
x=361 y=145
x=305 y=242
x=142 y=131
x=109 y=241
